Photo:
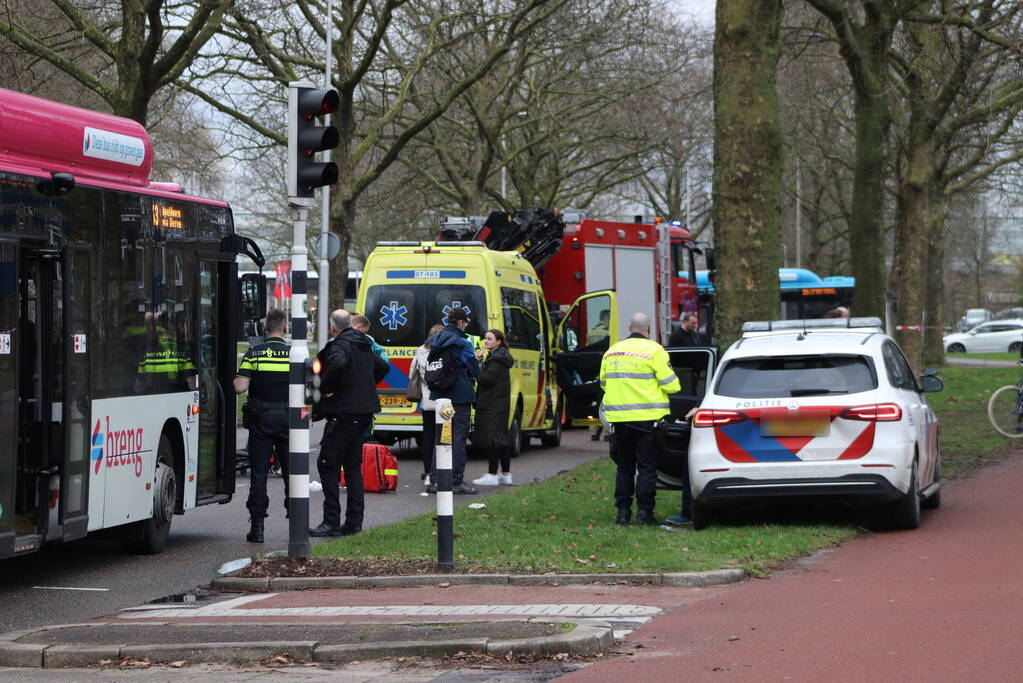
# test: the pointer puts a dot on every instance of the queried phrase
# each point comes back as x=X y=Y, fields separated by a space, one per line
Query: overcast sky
x=701 y=10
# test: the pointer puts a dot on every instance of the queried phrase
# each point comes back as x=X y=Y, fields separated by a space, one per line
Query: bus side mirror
x=253 y=296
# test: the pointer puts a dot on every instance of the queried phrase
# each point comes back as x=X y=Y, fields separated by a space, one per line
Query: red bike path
x=940 y=603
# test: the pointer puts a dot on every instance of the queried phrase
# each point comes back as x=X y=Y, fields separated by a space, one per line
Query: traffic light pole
x=298 y=412
x=305 y=139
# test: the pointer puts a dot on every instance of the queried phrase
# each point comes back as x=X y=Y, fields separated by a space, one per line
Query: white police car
x=816 y=409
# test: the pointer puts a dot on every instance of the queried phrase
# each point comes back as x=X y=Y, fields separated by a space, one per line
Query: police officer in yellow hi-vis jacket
x=636 y=377
x=263 y=372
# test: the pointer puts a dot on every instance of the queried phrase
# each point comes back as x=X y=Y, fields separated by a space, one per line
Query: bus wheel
x=149 y=536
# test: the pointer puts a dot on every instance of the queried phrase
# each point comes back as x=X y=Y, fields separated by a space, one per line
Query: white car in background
x=997 y=335
x=816 y=410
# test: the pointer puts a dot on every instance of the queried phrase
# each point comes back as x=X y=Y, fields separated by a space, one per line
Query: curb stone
x=585 y=639
x=219 y=652
x=22 y=654
x=409 y=648
x=675 y=579
x=56 y=656
x=582 y=640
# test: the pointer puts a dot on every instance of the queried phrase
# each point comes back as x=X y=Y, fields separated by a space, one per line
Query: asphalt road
x=34 y=590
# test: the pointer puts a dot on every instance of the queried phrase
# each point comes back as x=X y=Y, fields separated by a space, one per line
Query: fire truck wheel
x=149 y=536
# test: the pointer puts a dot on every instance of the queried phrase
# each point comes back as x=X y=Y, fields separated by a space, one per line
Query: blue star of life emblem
x=393 y=316
x=454 y=304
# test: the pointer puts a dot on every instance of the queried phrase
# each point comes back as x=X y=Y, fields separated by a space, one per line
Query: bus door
x=39 y=381
x=77 y=347
x=10 y=352
x=216 y=360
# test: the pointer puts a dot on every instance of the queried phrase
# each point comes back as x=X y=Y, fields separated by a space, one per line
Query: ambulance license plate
x=395 y=401
x=796 y=426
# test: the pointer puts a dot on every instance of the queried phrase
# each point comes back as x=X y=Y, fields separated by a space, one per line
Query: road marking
x=241 y=608
x=69 y=588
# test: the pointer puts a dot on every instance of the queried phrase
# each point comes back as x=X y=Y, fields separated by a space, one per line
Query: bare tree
x=960 y=97
x=124 y=51
x=266 y=45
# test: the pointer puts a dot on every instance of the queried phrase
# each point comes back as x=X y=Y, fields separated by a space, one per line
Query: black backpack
x=442 y=369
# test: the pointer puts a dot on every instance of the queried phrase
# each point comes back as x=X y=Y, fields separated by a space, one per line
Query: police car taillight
x=717 y=418
x=876 y=412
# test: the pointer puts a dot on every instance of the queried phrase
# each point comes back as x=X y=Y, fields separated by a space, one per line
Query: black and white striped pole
x=298 y=411
x=305 y=174
x=445 y=498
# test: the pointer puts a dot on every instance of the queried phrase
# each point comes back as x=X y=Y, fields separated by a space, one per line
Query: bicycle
x=1005 y=410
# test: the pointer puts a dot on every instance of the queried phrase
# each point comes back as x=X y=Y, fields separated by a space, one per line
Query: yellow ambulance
x=408 y=287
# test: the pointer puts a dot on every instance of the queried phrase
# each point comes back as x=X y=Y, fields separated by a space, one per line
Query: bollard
x=445 y=499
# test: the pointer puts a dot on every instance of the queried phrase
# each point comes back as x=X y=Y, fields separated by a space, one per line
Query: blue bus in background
x=804 y=294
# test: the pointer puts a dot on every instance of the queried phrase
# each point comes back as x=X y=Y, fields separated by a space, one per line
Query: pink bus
x=119 y=314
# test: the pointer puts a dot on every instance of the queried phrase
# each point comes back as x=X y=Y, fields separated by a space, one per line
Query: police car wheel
x=701 y=516
x=905 y=513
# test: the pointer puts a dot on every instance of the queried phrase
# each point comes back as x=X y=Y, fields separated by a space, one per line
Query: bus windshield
x=402 y=314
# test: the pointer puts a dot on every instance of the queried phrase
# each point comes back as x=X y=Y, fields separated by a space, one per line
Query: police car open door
x=586 y=331
x=694 y=366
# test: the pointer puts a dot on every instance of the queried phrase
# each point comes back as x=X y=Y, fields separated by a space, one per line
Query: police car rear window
x=796 y=376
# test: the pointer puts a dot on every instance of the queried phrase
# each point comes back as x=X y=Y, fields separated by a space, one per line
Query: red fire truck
x=628 y=258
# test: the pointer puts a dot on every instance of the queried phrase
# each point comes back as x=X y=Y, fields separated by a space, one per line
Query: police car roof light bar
x=813 y=324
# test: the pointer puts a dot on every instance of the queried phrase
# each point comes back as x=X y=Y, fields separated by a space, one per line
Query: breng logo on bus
x=123 y=447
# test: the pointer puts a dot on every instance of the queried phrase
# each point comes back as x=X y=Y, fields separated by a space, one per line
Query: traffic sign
x=333 y=245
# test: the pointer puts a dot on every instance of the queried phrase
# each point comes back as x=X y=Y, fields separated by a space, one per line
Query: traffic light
x=305 y=138
x=312 y=380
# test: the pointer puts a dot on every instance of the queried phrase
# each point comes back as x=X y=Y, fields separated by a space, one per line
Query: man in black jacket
x=688 y=333
x=348 y=382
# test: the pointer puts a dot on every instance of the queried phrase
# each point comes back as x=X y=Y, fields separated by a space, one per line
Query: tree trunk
x=934 y=348
x=866 y=226
x=918 y=210
x=747 y=163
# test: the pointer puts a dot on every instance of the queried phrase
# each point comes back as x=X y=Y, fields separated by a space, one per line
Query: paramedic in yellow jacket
x=637 y=378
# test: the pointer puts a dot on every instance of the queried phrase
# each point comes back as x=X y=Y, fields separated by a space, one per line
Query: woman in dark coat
x=493 y=396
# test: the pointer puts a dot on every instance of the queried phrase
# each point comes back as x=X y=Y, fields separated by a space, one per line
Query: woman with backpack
x=493 y=397
x=417 y=379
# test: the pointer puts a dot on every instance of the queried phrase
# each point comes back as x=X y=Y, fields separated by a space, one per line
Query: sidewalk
x=342 y=625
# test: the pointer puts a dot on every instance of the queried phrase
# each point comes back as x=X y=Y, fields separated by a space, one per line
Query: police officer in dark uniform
x=263 y=372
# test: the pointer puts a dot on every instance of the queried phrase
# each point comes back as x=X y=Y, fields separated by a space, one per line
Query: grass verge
x=967 y=438
x=565 y=524
x=1011 y=357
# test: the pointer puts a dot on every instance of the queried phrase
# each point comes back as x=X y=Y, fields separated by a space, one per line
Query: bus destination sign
x=168 y=217
x=818 y=291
